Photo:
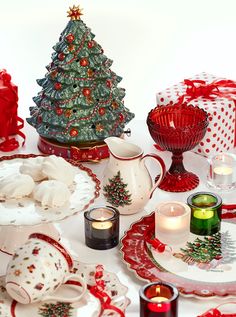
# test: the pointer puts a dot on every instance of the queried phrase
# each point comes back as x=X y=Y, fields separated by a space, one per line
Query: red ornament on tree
x=84 y=62
x=108 y=83
x=91 y=44
x=102 y=111
x=86 y=92
x=39 y=119
x=61 y=56
x=121 y=117
x=59 y=111
x=57 y=86
x=70 y=38
x=73 y=132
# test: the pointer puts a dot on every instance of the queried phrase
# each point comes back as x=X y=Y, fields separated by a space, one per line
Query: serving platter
x=203 y=267
x=21 y=217
x=89 y=306
x=28 y=212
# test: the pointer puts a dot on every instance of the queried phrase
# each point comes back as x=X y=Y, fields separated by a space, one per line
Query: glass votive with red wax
x=101 y=226
x=159 y=299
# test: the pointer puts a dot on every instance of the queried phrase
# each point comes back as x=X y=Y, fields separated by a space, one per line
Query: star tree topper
x=74 y=13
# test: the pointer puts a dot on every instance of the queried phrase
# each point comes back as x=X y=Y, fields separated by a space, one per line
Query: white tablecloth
x=72 y=229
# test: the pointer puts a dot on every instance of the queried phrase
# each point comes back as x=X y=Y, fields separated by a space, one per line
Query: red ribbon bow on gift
x=219 y=88
x=9 y=116
x=98 y=290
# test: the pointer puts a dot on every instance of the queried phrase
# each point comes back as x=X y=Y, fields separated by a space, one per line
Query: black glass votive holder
x=159 y=299
x=205 y=213
x=102 y=227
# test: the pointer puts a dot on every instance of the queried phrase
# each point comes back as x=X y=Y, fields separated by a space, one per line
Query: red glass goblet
x=177 y=128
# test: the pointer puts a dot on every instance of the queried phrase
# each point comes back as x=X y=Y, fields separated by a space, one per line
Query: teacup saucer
x=89 y=306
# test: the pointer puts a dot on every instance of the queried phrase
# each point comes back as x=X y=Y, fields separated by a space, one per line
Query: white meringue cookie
x=51 y=193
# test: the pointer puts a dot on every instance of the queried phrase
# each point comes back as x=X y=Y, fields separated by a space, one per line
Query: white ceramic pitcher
x=127 y=184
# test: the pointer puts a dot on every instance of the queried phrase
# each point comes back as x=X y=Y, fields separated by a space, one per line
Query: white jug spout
x=120 y=148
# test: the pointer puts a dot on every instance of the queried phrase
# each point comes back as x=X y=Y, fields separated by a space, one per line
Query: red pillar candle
x=158 y=299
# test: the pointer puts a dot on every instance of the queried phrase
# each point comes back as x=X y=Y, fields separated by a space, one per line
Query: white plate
x=28 y=212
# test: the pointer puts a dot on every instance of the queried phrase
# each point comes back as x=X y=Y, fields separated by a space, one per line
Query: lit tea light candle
x=205 y=213
x=172 y=222
x=158 y=299
x=223 y=175
x=102 y=224
x=102 y=228
x=222 y=171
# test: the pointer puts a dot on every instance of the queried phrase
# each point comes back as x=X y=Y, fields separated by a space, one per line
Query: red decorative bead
x=57 y=86
x=86 y=92
x=70 y=38
x=59 y=111
x=121 y=117
x=161 y=248
x=73 y=132
x=84 y=62
x=108 y=83
x=61 y=56
x=102 y=111
x=91 y=44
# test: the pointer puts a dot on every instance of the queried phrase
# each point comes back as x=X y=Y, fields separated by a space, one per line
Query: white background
x=153 y=43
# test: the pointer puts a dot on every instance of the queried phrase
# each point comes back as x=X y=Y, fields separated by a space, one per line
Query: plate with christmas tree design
x=203 y=267
x=109 y=300
x=28 y=212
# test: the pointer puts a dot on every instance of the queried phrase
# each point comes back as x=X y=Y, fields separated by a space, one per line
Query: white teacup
x=38 y=268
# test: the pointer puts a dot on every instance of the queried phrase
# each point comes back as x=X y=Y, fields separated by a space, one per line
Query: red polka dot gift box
x=217 y=97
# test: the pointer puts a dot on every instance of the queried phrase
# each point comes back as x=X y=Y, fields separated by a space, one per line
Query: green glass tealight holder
x=205 y=213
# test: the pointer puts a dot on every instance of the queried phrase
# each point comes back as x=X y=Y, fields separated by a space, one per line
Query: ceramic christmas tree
x=80 y=103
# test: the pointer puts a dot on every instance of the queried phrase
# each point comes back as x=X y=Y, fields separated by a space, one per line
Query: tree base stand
x=83 y=152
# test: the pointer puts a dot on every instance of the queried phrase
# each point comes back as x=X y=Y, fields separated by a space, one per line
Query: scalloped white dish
x=28 y=212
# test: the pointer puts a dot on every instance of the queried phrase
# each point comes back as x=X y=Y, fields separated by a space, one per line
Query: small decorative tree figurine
x=80 y=103
x=116 y=192
x=56 y=310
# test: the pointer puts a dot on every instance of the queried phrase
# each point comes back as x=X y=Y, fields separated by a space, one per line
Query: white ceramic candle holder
x=172 y=222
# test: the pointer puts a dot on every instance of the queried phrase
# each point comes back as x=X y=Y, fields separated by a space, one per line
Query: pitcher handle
x=161 y=163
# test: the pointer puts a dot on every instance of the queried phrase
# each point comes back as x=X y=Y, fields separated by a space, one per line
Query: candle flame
x=158 y=290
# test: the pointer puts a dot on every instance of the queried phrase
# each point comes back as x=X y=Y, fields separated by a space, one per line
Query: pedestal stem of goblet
x=177 y=166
